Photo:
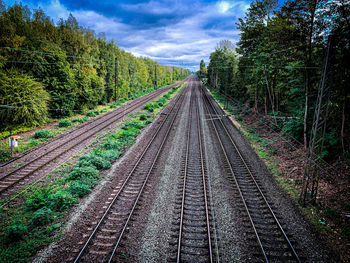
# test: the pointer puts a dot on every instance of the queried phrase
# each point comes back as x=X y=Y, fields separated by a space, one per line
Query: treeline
x=49 y=70
x=278 y=63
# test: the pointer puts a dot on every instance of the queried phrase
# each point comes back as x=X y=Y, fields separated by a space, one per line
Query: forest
x=279 y=61
x=50 y=70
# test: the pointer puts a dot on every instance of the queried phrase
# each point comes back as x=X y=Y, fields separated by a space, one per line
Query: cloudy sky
x=173 y=32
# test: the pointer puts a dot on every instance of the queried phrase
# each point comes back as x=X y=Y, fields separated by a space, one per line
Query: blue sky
x=176 y=32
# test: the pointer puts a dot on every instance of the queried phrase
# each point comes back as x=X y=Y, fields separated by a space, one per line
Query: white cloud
x=186 y=42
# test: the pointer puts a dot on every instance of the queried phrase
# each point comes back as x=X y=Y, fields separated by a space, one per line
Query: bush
x=64 y=123
x=62 y=200
x=16 y=232
x=92 y=113
x=133 y=124
x=103 y=110
x=81 y=172
x=42 y=134
x=166 y=96
x=38 y=200
x=4 y=155
x=109 y=155
x=79 y=189
x=161 y=101
x=111 y=145
x=80 y=120
x=294 y=128
x=93 y=160
x=42 y=216
x=143 y=117
x=151 y=106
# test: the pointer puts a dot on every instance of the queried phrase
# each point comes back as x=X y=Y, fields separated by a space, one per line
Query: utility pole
x=116 y=90
x=173 y=74
x=155 y=76
x=129 y=78
x=313 y=164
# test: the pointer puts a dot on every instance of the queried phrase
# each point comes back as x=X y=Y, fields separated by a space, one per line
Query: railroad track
x=43 y=163
x=104 y=238
x=192 y=231
x=271 y=241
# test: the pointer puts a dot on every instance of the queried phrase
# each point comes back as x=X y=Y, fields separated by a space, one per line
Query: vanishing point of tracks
x=39 y=166
x=272 y=243
x=104 y=240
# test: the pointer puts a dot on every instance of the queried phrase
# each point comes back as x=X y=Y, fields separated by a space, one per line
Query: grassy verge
x=36 y=217
x=29 y=140
x=326 y=219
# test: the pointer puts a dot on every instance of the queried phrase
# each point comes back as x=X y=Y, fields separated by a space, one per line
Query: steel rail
x=194 y=103
x=146 y=180
x=252 y=177
x=83 y=137
x=126 y=181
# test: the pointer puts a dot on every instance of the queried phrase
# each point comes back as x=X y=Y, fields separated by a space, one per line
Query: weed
x=143 y=117
x=42 y=134
x=133 y=124
x=81 y=172
x=93 y=160
x=80 y=120
x=4 y=155
x=42 y=216
x=16 y=232
x=62 y=200
x=64 y=123
x=92 y=113
x=79 y=189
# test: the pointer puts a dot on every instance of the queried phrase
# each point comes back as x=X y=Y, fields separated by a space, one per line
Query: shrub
x=80 y=120
x=16 y=232
x=110 y=155
x=166 y=96
x=42 y=134
x=62 y=200
x=294 y=128
x=64 y=123
x=4 y=155
x=151 y=106
x=79 y=189
x=161 y=101
x=133 y=124
x=130 y=132
x=92 y=113
x=143 y=117
x=93 y=160
x=111 y=145
x=81 y=172
x=42 y=216
x=103 y=110
x=38 y=200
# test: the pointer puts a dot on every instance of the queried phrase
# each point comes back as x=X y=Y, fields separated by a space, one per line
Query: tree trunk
x=308 y=73
x=265 y=103
x=306 y=117
x=342 y=127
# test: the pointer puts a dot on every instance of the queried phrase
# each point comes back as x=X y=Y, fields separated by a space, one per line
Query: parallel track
x=14 y=179
x=193 y=224
x=273 y=243
x=105 y=238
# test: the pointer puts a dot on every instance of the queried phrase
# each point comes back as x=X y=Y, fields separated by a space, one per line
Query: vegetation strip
x=36 y=222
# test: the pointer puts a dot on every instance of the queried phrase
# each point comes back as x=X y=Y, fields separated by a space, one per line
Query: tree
x=23 y=100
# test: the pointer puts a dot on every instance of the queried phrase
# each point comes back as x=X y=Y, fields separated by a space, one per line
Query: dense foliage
x=69 y=68
x=278 y=64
